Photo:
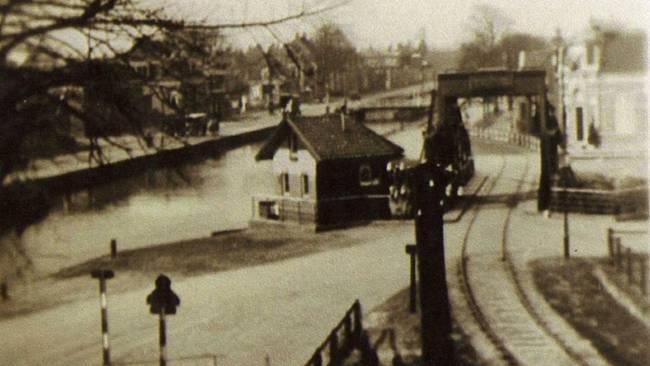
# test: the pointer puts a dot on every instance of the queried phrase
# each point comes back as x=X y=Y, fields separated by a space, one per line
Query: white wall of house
x=615 y=103
x=297 y=166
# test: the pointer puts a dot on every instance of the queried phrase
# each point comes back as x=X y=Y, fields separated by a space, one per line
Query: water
x=153 y=207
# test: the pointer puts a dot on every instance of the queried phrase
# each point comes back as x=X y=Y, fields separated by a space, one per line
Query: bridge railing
x=506 y=136
x=347 y=335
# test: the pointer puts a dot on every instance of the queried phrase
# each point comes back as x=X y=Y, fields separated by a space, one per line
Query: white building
x=604 y=89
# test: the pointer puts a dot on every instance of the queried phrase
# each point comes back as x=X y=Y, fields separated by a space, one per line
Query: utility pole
x=437 y=347
x=102 y=276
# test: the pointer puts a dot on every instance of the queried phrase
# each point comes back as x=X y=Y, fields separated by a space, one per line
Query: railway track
x=490 y=285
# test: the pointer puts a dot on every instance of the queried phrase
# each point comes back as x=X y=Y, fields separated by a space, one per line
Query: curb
x=620 y=297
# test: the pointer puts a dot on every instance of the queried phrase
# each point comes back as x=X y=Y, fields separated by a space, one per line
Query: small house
x=330 y=171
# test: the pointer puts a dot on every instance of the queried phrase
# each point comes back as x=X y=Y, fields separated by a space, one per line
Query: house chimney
x=342 y=121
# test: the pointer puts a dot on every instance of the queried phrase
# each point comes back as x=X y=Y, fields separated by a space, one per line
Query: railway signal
x=102 y=275
x=437 y=347
x=163 y=301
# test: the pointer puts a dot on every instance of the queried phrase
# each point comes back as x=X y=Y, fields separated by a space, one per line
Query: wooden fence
x=624 y=259
x=208 y=359
x=596 y=201
x=506 y=136
x=346 y=336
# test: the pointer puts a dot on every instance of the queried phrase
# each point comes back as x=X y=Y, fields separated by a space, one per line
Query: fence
x=346 y=336
x=596 y=201
x=507 y=136
x=634 y=265
x=198 y=360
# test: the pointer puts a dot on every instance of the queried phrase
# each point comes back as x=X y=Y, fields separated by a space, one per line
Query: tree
x=513 y=43
x=51 y=50
x=488 y=24
x=334 y=55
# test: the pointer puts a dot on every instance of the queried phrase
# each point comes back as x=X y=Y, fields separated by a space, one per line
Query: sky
x=444 y=24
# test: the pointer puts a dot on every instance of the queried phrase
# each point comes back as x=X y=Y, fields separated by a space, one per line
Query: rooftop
x=326 y=139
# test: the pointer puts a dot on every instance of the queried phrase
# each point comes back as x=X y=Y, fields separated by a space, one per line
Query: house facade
x=329 y=171
x=605 y=97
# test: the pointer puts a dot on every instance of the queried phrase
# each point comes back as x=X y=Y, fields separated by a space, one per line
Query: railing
x=624 y=259
x=510 y=137
x=347 y=335
x=596 y=201
x=284 y=208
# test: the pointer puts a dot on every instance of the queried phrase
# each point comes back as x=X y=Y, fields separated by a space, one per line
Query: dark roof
x=325 y=139
x=624 y=52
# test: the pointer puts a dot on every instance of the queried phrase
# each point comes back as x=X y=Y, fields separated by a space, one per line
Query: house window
x=285 y=183
x=365 y=176
x=580 y=128
x=305 y=184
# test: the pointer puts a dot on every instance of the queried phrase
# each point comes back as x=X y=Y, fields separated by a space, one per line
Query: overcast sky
x=445 y=23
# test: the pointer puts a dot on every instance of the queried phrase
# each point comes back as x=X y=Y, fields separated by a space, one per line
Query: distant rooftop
x=624 y=52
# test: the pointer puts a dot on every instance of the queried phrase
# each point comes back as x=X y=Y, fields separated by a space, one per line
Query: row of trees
x=50 y=49
x=493 y=42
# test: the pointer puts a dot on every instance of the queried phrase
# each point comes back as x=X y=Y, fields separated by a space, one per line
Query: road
x=284 y=309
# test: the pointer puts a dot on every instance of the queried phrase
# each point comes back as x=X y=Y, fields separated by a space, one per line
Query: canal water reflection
x=153 y=207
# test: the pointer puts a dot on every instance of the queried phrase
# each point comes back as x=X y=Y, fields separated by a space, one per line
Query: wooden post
x=643 y=278
x=628 y=254
x=610 y=244
x=334 y=349
x=358 y=323
x=347 y=330
x=113 y=248
x=619 y=255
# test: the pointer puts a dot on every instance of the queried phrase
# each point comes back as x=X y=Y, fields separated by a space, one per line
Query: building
x=604 y=92
x=330 y=170
x=189 y=78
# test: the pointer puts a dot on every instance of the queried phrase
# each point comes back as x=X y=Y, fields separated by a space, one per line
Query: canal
x=153 y=207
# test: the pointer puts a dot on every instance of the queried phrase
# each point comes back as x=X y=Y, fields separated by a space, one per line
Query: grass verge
x=221 y=252
x=575 y=293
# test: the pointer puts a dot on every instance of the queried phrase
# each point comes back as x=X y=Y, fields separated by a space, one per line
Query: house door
x=580 y=127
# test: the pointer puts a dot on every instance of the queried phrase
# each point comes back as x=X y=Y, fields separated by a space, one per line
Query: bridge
x=401 y=104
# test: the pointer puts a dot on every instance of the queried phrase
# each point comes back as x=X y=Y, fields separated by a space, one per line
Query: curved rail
x=521 y=294
x=478 y=314
x=506 y=354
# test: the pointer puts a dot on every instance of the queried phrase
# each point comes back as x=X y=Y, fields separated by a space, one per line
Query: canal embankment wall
x=24 y=202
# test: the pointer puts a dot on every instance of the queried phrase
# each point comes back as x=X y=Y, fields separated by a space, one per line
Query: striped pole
x=102 y=276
